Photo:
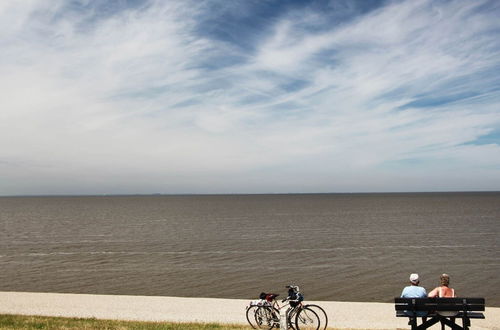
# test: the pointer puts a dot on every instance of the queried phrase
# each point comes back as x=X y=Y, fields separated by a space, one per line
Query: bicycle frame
x=289 y=313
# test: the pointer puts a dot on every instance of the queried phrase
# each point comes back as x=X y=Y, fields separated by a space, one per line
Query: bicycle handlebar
x=288 y=299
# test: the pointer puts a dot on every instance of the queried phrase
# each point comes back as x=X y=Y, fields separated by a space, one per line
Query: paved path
x=145 y=308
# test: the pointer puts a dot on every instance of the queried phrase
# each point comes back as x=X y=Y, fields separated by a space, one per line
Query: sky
x=248 y=96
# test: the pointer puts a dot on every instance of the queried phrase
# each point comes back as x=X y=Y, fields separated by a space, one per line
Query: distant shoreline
x=264 y=194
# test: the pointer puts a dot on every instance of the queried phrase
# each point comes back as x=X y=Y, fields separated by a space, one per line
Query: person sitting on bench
x=414 y=291
x=444 y=291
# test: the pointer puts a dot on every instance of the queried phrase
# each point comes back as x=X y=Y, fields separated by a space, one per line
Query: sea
x=341 y=247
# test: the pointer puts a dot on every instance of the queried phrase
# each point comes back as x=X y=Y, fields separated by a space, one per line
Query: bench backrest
x=439 y=304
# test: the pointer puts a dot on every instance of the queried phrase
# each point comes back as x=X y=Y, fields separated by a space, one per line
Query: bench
x=466 y=308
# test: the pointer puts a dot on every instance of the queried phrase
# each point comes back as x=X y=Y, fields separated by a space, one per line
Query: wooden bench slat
x=471 y=315
x=448 y=307
x=451 y=304
x=450 y=300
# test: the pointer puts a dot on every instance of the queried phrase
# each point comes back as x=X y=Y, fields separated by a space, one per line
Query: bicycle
x=260 y=311
x=265 y=313
x=294 y=293
x=257 y=316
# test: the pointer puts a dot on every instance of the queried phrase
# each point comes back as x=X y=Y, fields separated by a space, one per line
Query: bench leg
x=428 y=323
x=465 y=323
x=413 y=323
x=452 y=320
x=451 y=323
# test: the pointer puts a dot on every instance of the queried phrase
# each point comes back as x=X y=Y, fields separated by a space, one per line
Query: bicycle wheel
x=267 y=317
x=323 y=318
x=251 y=316
x=307 y=319
x=291 y=314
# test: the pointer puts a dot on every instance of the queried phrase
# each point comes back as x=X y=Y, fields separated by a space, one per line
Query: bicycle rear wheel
x=323 y=318
x=267 y=317
x=307 y=319
x=251 y=316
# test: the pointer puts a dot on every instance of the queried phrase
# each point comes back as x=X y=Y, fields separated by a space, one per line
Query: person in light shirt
x=414 y=291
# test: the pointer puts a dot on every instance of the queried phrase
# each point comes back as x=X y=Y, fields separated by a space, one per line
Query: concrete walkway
x=145 y=308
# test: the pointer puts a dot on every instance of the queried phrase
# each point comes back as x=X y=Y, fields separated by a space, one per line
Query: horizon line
x=263 y=193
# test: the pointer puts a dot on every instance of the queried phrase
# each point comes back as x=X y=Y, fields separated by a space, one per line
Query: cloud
x=153 y=98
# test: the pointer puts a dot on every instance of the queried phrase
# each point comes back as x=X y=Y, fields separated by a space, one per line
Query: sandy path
x=145 y=308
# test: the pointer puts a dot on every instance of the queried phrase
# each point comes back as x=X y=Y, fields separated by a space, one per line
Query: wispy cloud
x=192 y=97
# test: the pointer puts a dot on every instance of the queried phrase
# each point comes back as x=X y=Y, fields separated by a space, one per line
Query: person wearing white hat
x=414 y=290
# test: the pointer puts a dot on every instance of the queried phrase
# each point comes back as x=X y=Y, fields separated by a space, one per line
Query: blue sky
x=248 y=96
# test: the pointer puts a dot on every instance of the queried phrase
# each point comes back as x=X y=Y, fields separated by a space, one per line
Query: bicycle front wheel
x=307 y=319
x=323 y=318
x=267 y=317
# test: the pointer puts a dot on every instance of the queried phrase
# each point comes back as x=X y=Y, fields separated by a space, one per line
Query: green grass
x=11 y=322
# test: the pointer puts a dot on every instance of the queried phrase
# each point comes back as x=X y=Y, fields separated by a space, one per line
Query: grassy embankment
x=11 y=322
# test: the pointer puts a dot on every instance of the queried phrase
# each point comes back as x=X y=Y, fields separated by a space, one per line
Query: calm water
x=353 y=247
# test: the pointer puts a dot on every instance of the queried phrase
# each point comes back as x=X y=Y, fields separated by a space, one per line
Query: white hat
x=414 y=278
